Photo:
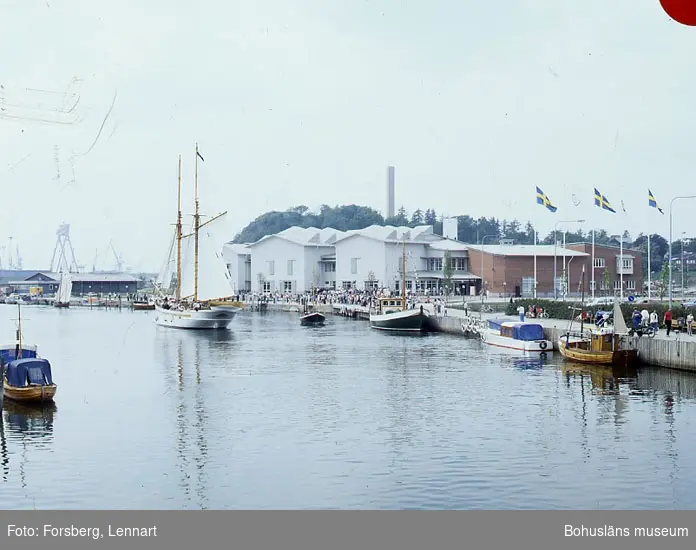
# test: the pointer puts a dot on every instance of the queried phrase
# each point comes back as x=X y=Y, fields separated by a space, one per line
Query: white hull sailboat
x=201 y=275
x=64 y=291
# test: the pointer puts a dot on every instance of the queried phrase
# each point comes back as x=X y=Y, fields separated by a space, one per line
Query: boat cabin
x=596 y=340
x=10 y=352
x=390 y=304
x=28 y=372
x=527 y=332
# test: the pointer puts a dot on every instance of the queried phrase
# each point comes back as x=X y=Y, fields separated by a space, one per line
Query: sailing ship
x=598 y=345
x=64 y=291
x=202 y=279
x=26 y=378
x=392 y=313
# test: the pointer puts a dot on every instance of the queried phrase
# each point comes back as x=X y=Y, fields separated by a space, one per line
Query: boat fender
x=542 y=345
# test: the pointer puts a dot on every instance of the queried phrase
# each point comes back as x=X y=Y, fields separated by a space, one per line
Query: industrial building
x=22 y=282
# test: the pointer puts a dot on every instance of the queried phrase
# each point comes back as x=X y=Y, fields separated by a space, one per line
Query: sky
x=307 y=102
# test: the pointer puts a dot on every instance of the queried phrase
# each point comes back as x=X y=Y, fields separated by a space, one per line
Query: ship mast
x=178 y=239
x=196 y=227
x=403 y=276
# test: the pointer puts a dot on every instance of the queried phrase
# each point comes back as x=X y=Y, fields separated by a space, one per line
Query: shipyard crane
x=119 y=258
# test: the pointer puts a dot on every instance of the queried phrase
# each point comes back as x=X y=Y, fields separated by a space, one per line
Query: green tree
x=663 y=285
x=447 y=272
x=606 y=280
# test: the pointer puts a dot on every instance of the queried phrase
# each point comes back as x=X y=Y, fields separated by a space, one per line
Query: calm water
x=274 y=415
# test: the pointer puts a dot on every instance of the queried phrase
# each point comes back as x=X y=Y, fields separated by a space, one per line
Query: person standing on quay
x=689 y=323
x=520 y=310
x=653 y=321
x=668 y=321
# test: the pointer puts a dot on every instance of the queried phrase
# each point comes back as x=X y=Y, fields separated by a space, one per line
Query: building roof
x=449 y=244
x=238 y=248
x=390 y=233
x=597 y=245
x=305 y=236
x=525 y=250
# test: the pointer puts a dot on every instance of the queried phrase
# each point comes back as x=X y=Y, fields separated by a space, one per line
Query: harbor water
x=272 y=415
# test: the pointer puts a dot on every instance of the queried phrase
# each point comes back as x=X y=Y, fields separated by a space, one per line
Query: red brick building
x=607 y=272
x=509 y=268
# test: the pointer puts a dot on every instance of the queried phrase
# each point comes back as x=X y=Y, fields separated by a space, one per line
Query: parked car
x=690 y=303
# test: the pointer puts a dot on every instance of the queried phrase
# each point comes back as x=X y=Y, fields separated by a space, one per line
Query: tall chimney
x=390 y=192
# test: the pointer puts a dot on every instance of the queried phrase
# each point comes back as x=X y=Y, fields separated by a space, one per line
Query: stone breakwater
x=674 y=352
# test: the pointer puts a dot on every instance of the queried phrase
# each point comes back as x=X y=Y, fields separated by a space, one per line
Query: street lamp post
x=671 y=203
x=555 y=245
x=483 y=240
x=681 y=264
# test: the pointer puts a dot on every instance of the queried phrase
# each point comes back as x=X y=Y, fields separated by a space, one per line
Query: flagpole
x=535 y=264
x=593 y=266
x=621 y=268
x=649 y=270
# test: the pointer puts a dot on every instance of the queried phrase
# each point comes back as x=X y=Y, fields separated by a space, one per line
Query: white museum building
x=301 y=259
x=296 y=260
x=373 y=258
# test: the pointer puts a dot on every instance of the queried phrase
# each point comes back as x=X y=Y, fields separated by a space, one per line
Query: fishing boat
x=27 y=379
x=64 y=291
x=142 y=305
x=516 y=335
x=392 y=313
x=605 y=345
x=308 y=317
x=202 y=279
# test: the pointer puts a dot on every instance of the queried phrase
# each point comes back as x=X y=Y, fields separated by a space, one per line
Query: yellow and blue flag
x=652 y=202
x=602 y=202
x=544 y=200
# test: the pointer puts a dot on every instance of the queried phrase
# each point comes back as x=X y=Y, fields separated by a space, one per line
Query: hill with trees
x=470 y=230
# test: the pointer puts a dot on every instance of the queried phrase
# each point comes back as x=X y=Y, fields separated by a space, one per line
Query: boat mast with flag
x=201 y=276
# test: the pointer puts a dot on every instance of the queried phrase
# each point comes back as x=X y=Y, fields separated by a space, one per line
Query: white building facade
x=293 y=261
x=373 y=258
x=238 y=260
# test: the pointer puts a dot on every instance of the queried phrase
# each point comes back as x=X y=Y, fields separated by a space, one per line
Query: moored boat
x=29 y=381
x=62 y=298
x=599 y=345
x=312 y=318
x=523 y=336
x=26 y=377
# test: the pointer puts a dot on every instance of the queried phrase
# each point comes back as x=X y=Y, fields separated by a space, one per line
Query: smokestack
x=390 y=192
x=450 y=227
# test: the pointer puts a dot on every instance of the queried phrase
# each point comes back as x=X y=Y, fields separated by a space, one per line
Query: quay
x=674 y=352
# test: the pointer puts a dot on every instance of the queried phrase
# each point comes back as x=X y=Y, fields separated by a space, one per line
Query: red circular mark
x=682 y=11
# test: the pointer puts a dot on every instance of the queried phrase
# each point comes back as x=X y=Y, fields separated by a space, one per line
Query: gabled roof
x=526 y=250
x=390 y=233
x=305 y=236
x=238 y=248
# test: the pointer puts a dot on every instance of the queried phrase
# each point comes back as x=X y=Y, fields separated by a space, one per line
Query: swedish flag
x=652 y=202
x=602 y=202
x=544 y=200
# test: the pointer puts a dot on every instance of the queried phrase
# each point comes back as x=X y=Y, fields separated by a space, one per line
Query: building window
x=617 y=284
x=332 y=284
x=628 y=263
x=631 y=284
x=459 y=264
x=347 y=285
x=353 y=265
x=599 y=262
x=329 y=268
x=270 y=264
x=603 y=285
x=287 y=286
x=266 y=286
x=371 y=285
x=528 y=286
x=434 y=264
x=291 y=265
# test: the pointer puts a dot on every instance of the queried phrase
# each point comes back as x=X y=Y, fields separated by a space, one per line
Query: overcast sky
x=308 y=101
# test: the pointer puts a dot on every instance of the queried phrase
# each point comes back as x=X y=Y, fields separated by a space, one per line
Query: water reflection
x=4 y=453
x=34 y=423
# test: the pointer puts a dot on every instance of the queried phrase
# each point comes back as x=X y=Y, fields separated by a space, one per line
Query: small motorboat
x=312 y=318
x=29 y=381
x=26 y=378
